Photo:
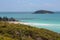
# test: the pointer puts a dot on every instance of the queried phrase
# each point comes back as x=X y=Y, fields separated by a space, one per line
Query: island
x=43 y=12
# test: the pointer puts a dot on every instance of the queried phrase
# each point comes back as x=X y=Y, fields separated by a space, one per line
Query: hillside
x=10 y=31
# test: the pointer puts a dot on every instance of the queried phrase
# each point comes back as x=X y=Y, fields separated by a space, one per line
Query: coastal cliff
x=43 y=12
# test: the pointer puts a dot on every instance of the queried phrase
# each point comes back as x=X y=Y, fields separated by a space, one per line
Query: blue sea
x=47 y=21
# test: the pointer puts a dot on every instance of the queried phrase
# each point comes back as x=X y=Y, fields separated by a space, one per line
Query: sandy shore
x=34 y=24
x=31 y=24
x=28 y=23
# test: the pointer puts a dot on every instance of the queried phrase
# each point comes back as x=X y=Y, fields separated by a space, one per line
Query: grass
x=10 y=31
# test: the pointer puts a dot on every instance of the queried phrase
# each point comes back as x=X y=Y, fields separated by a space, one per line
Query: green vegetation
x=7 y=19
x=10 y=31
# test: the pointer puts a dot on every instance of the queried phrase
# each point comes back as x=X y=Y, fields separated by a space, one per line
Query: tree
x=5 y=19
x=0 y=18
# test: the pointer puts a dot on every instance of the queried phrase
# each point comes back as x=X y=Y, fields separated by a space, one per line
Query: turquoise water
x=47 y=21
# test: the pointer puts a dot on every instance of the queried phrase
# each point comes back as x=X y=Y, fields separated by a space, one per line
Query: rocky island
x=43 y=12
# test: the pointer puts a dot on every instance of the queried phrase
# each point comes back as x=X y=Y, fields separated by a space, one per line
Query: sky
x=29 y=5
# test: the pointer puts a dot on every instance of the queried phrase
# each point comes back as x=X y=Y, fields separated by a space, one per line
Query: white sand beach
x=25 y=23
x=33 y=24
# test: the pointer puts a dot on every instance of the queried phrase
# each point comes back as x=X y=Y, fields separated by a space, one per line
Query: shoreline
x=33 y=24
x=40 y=25
x=28 y=23
x=24 y=23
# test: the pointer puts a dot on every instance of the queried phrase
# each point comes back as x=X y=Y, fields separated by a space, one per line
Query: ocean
x=47 y=21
